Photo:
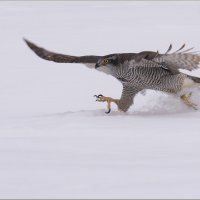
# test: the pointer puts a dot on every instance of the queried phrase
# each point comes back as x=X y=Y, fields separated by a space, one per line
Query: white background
x=56 y=141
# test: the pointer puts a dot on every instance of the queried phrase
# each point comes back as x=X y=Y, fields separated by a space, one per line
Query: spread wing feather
x=171 y=61
x=61 y=58
x=179 y=60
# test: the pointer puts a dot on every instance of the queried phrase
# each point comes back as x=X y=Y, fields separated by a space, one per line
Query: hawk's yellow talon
x=107 y=112
x=186 y=99
x=101 y=98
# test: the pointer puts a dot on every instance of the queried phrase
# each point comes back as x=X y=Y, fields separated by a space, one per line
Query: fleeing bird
x=138 y=72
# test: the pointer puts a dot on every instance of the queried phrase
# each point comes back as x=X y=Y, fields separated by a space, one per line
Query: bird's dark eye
x=105 y=61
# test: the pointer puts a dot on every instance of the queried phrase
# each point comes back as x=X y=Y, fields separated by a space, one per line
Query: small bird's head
x=107 y=64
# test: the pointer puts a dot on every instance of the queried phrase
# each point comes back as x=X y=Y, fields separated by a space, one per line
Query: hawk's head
x=107 y=64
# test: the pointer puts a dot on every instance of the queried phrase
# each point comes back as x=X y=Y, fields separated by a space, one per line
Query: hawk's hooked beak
x=97 y=65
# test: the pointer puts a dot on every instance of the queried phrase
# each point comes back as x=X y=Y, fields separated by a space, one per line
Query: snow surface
x=56 y=141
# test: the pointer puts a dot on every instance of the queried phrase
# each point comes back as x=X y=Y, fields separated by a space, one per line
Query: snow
x=56 y=141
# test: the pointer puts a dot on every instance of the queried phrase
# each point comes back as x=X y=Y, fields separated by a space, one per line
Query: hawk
x=138 y=72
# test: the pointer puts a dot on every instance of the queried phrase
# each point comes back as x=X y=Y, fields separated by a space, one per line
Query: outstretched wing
x=61 y=58
x=179 y=59
x=170 y=61
x=175 y=61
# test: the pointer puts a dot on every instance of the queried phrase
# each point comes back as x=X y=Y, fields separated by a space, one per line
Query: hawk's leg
x=109 y=100
x=186 y=99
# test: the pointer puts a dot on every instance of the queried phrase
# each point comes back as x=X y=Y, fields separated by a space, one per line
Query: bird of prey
x=138 y=72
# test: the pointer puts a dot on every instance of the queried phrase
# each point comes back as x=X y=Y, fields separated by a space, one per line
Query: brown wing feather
x=179 y=60
x=172 y=61
x=61 y=58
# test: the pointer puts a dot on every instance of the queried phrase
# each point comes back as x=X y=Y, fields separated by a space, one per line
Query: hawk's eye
x=105 y=61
